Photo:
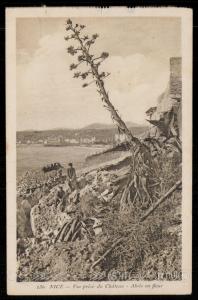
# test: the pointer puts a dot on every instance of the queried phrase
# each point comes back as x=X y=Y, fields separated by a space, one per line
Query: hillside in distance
x=109 y=126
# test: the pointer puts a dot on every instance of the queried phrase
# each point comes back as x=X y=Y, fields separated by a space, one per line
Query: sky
x=49 y=97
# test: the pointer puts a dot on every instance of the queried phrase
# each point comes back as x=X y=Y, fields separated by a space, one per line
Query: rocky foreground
x=91 y=238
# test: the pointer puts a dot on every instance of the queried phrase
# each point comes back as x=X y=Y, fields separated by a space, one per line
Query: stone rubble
x=57 y=242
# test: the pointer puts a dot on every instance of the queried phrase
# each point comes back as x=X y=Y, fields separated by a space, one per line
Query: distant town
x=95 y=134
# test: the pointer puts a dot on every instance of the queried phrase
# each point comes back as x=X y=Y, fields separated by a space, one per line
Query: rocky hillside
x=91 y=236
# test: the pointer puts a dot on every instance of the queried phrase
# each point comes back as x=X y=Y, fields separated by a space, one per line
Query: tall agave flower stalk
x=82 y=51
x=136 y=189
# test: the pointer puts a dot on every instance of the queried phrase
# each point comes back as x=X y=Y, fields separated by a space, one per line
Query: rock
x=81 y=182
x=97 y=230
x=55 y=232
x=105 y=192
x=66 y=188
x=62 y=218
x=97 y=226
x=21 y=223
x=87 y=201
x=74 y=197
x=71 y=208
x=20 y=246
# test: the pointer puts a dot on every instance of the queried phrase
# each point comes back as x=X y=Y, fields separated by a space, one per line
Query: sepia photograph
x=99 y=150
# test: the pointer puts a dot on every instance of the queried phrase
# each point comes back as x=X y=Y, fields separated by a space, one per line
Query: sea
x=34 y=157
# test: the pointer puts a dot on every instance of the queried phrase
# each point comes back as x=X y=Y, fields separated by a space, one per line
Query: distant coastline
x=94 y=134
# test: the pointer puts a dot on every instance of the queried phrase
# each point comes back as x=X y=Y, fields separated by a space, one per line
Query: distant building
x=120 y=138
x=88 y=140
x=60 y=139
x=40 y=141
x=67 y=140
x=73 y=141
x=54 y=140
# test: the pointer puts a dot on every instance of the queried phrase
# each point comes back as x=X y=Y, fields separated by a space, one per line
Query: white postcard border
x=99 y=288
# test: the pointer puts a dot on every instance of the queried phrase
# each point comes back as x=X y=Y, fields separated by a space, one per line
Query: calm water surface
x=34 y=157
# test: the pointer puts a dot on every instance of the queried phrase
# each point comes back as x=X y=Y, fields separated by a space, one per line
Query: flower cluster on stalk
x=85 y=42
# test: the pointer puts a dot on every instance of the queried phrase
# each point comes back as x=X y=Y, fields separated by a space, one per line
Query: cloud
x=130 y=71
x=48 y=96
x=133 y=105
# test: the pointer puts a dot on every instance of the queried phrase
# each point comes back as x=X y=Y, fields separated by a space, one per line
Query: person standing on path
x=71 y=176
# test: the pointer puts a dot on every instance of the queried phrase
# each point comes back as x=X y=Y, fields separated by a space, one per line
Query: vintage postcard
x=99 y=141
